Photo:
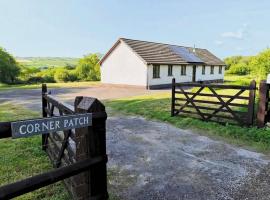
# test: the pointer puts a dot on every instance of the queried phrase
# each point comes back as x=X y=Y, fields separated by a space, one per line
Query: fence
x=210 y=105
x=80 y=157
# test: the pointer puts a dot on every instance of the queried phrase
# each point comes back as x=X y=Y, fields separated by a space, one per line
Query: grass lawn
x=157 y=106
x=51 y=85
x=22 y=158
x=239 y=80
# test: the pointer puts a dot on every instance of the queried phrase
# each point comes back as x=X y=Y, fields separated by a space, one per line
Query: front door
x=194 y=73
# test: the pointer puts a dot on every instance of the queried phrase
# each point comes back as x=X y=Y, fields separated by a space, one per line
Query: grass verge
x=51 y=85
x=22 y=158
x=157 y=107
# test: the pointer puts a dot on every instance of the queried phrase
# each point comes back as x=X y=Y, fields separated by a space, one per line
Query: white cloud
x=234 y=35
x=219 y=42
x=240 y=34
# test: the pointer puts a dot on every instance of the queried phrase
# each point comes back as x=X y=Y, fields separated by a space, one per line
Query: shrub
x=239 y=69
x=73 y=76
x=35 y=79
x=28 y=72
x=88 y=68
x=61 y=75
x=48 y=79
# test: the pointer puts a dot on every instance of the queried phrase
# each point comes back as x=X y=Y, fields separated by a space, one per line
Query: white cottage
x=153 y=65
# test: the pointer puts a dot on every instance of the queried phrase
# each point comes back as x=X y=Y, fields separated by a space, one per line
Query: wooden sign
x=26 y=128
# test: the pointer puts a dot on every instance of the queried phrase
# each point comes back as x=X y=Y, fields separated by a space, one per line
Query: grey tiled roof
x=158 y=53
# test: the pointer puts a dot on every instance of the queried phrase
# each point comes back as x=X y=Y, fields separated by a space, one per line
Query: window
x=170 y=68
x=203 y=69
x=220 y=70
x=183 y=70
x=156 y=71
x=212 y=70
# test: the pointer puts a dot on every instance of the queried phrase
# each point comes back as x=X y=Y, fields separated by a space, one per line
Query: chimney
x=194 y=50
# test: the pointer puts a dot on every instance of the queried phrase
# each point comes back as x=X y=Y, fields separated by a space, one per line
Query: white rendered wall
x=123 y=66
x=207 y=75
x=165 y=79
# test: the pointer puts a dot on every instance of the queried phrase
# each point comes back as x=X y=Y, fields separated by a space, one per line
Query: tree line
x=12 y=72
x=258 y=65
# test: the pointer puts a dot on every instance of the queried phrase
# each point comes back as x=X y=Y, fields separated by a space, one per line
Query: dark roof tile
x=158 y=53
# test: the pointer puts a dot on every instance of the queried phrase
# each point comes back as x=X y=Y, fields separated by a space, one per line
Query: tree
x=233 y=60
x=260 y=64
x=238 y=64
x=240 y=68
x=9 y=68
x=88 y=68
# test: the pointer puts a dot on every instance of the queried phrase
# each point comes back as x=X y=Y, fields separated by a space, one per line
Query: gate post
x=44 y=113
x=90 y=143
x=263 y=104
x=251 y=102
x=173 y=97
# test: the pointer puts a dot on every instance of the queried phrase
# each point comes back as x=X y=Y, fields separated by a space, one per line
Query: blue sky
x=77 y=27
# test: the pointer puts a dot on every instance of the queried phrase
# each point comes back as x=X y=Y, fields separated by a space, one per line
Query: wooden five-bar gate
x=205 y=101
x=79 y=155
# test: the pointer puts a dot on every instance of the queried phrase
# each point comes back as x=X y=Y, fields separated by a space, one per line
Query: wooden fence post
x=44 y=114
x=91 y=143
x=173 y=97
x=263 y=104
x=251 y=103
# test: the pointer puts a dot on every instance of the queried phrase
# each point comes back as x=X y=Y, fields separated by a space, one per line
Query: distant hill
x=47 y=61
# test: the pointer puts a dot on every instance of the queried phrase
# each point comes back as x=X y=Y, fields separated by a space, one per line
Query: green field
x=47 y=61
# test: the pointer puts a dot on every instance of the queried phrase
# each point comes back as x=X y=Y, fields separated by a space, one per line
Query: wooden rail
x=30 y=184
x=216 y=107
x=86 y=158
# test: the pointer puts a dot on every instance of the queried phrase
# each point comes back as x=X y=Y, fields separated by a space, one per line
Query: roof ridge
x=121 y=38
x=150 y=53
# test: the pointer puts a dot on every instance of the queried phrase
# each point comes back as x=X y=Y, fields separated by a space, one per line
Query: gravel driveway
x=151 y=160
x=30 y=98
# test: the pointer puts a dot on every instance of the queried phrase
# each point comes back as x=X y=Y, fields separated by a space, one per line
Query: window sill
x=156 y=77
